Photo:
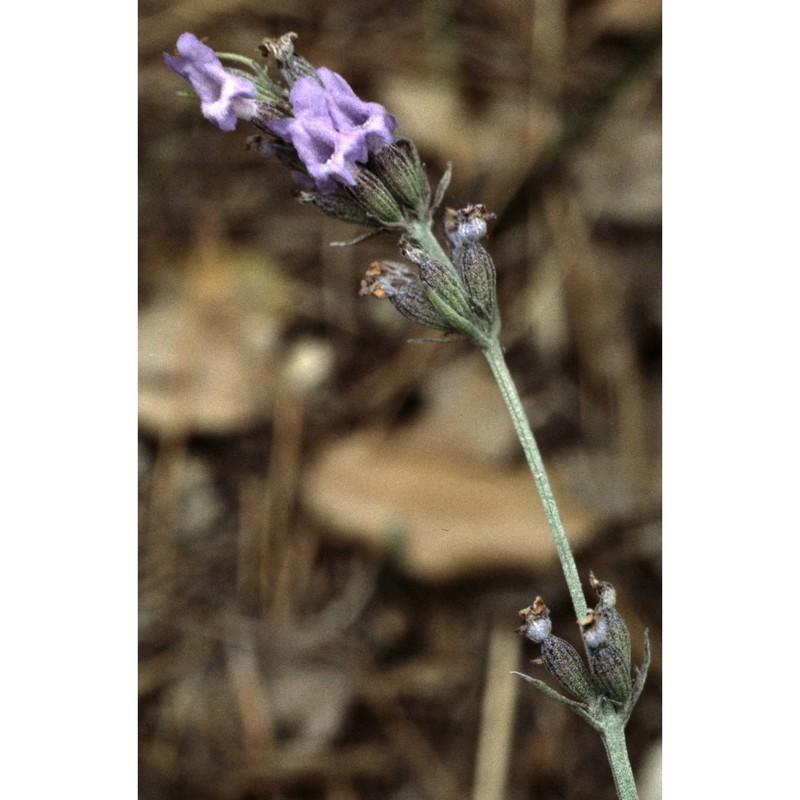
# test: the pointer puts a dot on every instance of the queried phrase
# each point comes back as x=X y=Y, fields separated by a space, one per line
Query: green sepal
x=610 y=672
x=376 y=200
x=480 y=278
x=399 y=167
x=618 y=634
x=564 y=663
x=640 y=676
x=456 y=322
x=443 y=279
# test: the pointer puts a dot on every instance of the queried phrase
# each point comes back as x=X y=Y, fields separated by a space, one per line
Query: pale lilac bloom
x=332 y=129
x=224 y=97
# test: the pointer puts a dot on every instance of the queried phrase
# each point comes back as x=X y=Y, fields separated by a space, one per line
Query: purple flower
x=224 y=97
x=332 y=129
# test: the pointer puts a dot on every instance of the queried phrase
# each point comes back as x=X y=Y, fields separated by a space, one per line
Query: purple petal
x=328 y=155
x=332 y=129
x=310 y=99
x=224 y=97
x=348 y=111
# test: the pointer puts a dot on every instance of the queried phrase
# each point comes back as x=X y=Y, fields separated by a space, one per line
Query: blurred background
x=337 y=526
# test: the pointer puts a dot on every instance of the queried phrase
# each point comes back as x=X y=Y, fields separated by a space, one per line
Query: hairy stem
x=613 y=733
x=497 y=362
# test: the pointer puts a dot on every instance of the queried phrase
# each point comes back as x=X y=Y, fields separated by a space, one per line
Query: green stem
x=497 y=362
x=611 y=724
x=613 y=733
x=421 y=231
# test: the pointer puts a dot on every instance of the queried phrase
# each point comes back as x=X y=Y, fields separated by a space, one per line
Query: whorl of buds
x=608 y=648
x=444 y=288
x=464 y=296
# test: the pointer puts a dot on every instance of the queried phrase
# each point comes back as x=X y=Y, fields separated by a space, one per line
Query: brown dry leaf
x=207 y=350
x=199 y=372
x=449 y=517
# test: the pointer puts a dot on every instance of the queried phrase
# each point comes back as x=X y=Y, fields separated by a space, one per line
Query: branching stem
x=421 y=232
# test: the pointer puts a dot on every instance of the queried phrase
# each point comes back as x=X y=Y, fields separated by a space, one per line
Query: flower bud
x=375 y=199
x=404 y=289
x=609 y=667
x=398 y=165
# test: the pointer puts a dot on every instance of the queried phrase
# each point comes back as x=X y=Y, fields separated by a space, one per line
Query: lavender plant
x=346 y=160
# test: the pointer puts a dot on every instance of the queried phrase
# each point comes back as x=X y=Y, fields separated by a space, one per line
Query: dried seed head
x=605 y=591
x=465 y=228
x=401 y=284
x=616 y=630
x=446 y=291
x=594 y=628
x=289 y=63
x=537 y=624
x=559 y=656
x=609 y=665
x=467 y=224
